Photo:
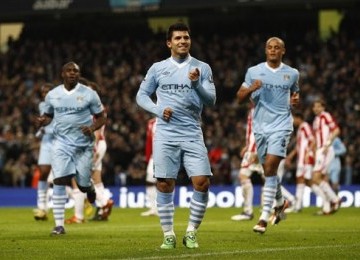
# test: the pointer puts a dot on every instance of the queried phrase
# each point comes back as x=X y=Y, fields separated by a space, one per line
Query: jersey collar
x=69 y=92
x=276 y=69
x=182 y=64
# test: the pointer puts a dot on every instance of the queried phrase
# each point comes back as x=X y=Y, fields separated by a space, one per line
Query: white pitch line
x=264 y=250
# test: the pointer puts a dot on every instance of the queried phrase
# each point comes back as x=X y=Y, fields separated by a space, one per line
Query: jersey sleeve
x=147 y=88
x=247 y=83
x=96 y=106
x=47 y=108
x=339 y=147
x=295 y=86
x=206 y=87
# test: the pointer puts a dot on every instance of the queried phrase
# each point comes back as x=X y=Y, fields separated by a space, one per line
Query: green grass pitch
x=127 y=235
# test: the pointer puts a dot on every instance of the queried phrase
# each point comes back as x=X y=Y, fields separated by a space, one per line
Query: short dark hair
x=321 y=101
x=176 y=27
x=298 y=114
x=70 y=63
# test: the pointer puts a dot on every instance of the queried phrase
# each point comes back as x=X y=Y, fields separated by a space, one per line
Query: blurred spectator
x=118 y=62
x=18 y=171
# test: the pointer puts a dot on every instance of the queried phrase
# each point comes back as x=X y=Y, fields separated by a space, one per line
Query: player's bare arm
x=100 y=120
x=244 y=92
x=295 y=99
x=43 y=120
x=333 y=135
x=243 y=151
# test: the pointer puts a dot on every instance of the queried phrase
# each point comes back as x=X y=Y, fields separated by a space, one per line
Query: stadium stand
x=116 y=54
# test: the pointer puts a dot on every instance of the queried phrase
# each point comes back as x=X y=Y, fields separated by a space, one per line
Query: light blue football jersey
x=334 y=169
x=71 y=110
x=169 y=79
x=47 y=138
x=272 y=101
x=339 y=147
x=48 y=135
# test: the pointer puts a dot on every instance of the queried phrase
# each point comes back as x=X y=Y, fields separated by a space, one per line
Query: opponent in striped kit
x=325 y=130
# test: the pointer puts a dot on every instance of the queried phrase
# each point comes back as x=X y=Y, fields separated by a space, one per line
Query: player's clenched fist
x=256 y=84
x=42 y=121
x=167 y=114
x=194 y=74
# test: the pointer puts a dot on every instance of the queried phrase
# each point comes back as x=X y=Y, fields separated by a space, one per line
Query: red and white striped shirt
x=150 y=131
x=250 y=138
x=323 y=125
x=99 y=136
x=304 y=139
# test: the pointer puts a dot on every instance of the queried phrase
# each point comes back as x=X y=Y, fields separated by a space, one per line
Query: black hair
x=70 y=63
x=176 y=27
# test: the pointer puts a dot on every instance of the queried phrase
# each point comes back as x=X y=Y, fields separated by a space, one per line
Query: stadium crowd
x=328 y=69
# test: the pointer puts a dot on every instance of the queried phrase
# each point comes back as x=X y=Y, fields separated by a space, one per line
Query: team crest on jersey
x=286 y=77
x=79 y=99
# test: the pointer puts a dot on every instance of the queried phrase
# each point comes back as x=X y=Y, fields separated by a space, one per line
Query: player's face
x=274 y=51
x=317 y=108
x=179 y=44
x=71 y=74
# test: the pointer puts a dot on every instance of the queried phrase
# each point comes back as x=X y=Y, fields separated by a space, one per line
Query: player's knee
x=43 y=176
x=63 y=181
x=270 y=169
x=244 y=174
x=84 y=189
x=44 y=172
x=245 y=181
x=201 y=183
x=165 y=185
